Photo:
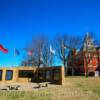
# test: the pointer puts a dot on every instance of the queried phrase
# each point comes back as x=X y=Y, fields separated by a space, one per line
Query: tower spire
x=87 y=34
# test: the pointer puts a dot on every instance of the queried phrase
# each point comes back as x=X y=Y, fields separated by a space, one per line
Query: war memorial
x=55 y=75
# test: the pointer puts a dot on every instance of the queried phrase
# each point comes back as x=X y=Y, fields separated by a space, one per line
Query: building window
x=25 y=73
x=0 y=75
x=9 y=75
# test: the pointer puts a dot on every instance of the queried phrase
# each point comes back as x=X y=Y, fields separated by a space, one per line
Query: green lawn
x=25 y=95
x=75 y=88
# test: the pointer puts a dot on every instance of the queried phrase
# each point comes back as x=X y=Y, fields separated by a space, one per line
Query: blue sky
x=20 y=20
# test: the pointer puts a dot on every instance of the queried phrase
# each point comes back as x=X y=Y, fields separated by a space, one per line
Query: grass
x=75 y=88
x=90 y=85
x=25 y=95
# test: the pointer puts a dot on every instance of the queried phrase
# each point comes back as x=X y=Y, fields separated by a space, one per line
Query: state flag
x=3 y=49
x=52 y=50
x=30 y=52
x=16 y=52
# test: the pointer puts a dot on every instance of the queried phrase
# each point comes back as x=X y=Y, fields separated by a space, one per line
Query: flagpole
x=50 y=59
x=16 y=52
x=13 y=59
x=30 y=54
x=14 y=56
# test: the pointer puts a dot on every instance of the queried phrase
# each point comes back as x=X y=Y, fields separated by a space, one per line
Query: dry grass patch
x=75 y=88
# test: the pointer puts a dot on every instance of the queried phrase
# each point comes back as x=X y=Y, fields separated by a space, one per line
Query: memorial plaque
x=25 y=73
x=48 y=75
x=0 y=74
x=57 y=74
x=9 y=75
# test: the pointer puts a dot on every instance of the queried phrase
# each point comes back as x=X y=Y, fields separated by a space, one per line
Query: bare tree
x=65 y=43
x=40 y=47
x=59 y=42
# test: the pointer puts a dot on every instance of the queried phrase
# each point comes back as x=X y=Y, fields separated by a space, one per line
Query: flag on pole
x=65 y=46
x=30 y=53
x=3 y=49
x=16 y=52
x=52 y=50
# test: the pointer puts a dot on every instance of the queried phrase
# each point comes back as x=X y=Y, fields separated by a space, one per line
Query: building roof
x=98 y=48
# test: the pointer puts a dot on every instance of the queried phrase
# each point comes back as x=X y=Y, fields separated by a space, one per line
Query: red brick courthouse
x=86 y=60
